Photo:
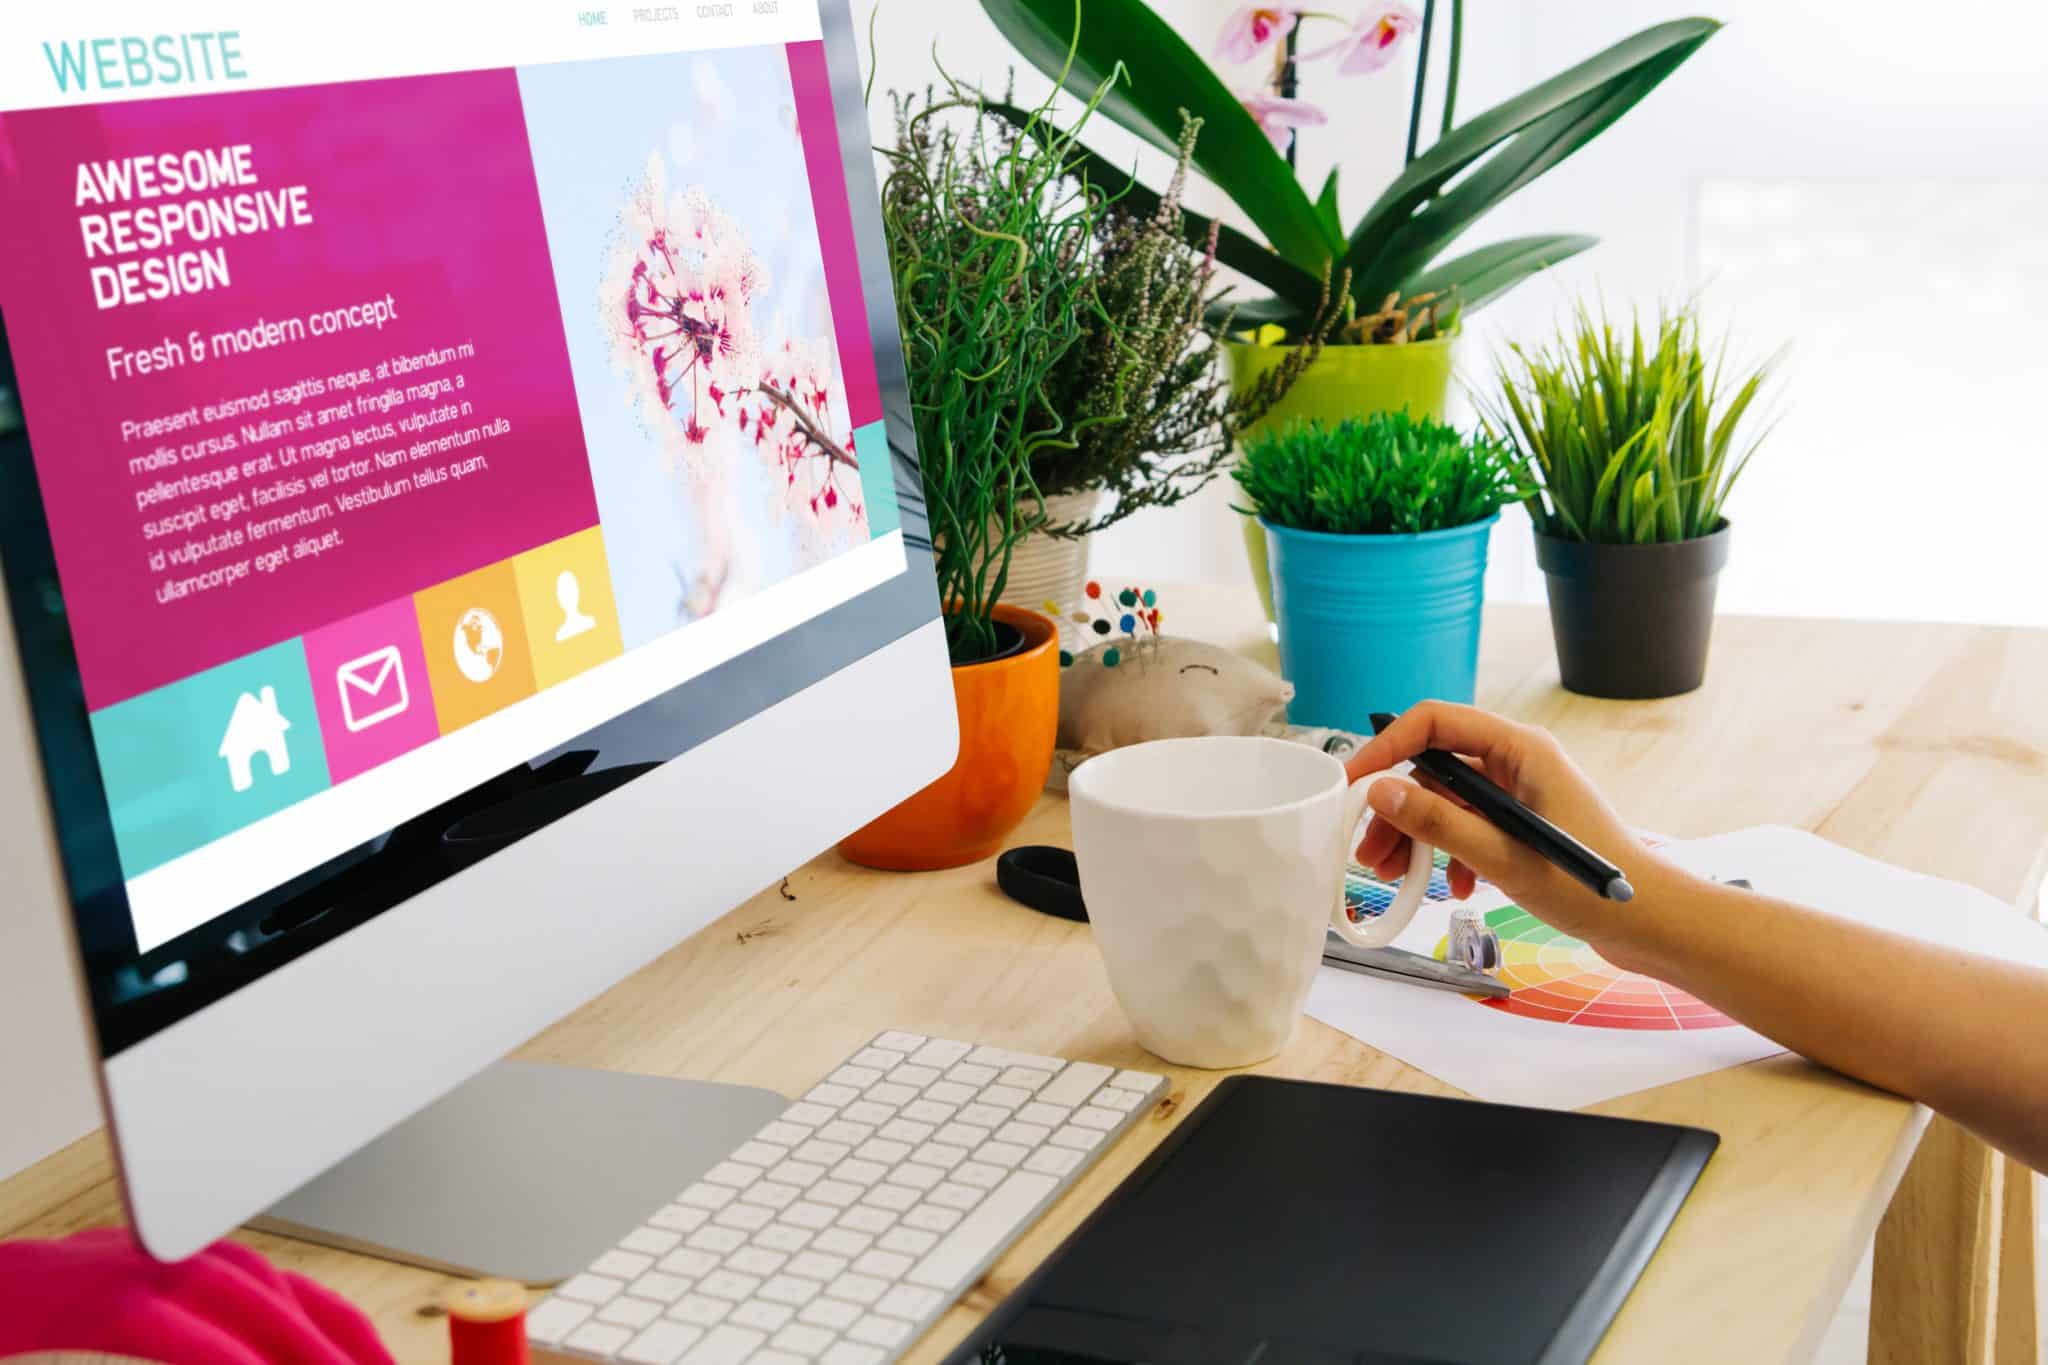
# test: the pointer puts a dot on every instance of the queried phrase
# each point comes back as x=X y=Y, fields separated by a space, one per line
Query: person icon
x=568 y=595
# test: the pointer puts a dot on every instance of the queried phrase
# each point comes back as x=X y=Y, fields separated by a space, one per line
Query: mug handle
x=1378 y=933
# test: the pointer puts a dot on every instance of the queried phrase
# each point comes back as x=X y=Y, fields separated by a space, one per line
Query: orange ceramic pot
x=1009 y=712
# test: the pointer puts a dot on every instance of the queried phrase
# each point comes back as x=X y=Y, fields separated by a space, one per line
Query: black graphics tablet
x=1286 y=1223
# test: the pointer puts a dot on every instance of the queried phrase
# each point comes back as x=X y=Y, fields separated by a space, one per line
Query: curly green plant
x=1625 y=439
x=1387 y=474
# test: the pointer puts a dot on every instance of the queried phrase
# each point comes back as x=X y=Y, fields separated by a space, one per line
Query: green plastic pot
x=1345 y=381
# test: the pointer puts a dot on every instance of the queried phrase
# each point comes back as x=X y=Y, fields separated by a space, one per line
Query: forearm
x=1961 y=1033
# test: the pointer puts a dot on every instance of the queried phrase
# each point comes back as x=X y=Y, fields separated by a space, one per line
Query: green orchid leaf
x=1479 y=276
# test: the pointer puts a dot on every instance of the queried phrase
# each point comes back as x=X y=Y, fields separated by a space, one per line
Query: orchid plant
x=1393 y=256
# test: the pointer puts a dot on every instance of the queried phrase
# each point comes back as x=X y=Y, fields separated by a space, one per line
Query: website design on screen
x=406 y=398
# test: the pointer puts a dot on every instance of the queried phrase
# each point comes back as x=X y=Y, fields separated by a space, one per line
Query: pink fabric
x=98 y=1291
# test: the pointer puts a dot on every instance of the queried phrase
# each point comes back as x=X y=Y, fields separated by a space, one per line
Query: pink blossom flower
x=1278 y=118
x=1371 y=42
x=1253 y=28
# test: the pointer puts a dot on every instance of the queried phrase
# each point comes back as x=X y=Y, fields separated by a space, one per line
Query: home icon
x=256 y=727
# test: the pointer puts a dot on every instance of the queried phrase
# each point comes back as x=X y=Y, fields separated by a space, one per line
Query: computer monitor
x=461 y=531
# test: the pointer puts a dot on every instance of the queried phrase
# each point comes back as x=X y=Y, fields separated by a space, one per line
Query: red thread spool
x=487 y=1323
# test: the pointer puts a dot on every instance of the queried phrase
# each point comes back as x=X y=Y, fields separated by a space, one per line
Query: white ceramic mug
x=1211 y=868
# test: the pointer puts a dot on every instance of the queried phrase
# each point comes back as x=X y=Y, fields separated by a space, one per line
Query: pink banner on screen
x=818 y=124
x=351 y=386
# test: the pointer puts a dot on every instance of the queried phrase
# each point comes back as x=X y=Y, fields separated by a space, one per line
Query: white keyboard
x=842 y=1229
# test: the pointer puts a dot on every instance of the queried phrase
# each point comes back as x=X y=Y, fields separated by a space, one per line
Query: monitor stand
x=527 y=1172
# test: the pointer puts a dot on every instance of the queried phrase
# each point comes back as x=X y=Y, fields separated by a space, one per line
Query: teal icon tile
x=187 y=763
x=877 y=479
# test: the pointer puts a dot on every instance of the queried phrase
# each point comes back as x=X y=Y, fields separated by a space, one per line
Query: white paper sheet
x=1575 y=1035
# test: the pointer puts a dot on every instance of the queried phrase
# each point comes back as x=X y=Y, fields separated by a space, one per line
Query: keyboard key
x=962 y=1251
x=916 y=1176
x=622 y=1265
x=699 y=1309
x=820 y=1152
x=930 y=1219
x=783 y=1133
x=883 y=1150
x=970 y=1073
x=916 y=1077
x=981 y=1176
x=796 y=1173
x=829 y=1313
x=1026 y=1078
x=771 y=1357
x=880 y=1058
x=689 y=1262
x=858 y=1171
x=962 y=1135
x=661 y=1344
x=629 y=1312
x=663 y=1288
x=849 y=1353
x=1093 y=1117
x=751 y=1217
x=805 y=1340
x=759 y=1153
x=833 y=1095
x=807 y=1113
x=725 y=1346
x=769 y=1317
x=679 y=1218
x=1123 y=1101
x=996 y=1057
x=906 y=1130
x=1134 y=1080
x=871 y=1218
x=867 y=1111
x=703 y=1196
x=720 y=1240
x=950 y=1092
x=876 y=1330
x=855 y=1078
x=805 y=1214
x=908 y=1241
x=1008 y=1096
x=753 y=1260
x=554 y=1319
x=651 y=1241
x=889 y=1092
x=1044 y=1115
x=1075 y=1082
x=883 y=1265
x=1023 y=1134
x=982 y=1115
x=939 y=1052
x=861 y=1289
x=771 y=1194
x=724 y=1284
x=782 y=1237
x=836 y=1192
x=943 y=1155
x=897 y=1041
x=1080 y=1139
x=927 y=1111
x=1001 y=1153
x=589 y=1288
x=908 y=1301
x=599 y=1338
x=952 y=1196
x=737 y=1174
x=1048 y=1161
x=794 y=1290
x=842 y=1242
x=814 y=1265
x=846 y=1131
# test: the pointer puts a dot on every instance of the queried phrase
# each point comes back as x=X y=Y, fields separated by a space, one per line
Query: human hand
x=1533 y=768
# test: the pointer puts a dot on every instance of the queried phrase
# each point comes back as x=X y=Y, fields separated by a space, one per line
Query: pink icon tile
x=370 y=688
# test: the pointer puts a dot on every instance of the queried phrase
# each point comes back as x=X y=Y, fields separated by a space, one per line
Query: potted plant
x=1404 y=299
x=1151 y=419
x=984 y=225
x=1632 y=446
x=1376 y=532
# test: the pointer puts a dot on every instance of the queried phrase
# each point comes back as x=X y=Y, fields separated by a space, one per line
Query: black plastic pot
x=1632 y=621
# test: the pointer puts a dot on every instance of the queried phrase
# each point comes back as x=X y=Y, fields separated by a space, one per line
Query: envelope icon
x=372 y=688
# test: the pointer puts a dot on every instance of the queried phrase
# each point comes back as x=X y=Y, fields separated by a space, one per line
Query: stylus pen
x=1517 y=821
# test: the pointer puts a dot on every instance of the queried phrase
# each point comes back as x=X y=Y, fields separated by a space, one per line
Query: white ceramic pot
x=1046 y=569
x=1211 y=868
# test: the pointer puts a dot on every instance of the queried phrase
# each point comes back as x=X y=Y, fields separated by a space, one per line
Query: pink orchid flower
x=1371 y=42
x=1251 y=29
x=1278 y=118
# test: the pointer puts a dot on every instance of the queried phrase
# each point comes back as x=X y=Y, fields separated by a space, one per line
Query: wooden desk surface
x=1925 y=745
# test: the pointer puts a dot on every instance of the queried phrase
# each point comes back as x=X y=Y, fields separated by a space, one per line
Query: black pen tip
x=1620 y=890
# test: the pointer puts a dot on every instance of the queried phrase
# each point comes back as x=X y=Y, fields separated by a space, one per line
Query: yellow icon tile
x=478 y=659
x=571 y=618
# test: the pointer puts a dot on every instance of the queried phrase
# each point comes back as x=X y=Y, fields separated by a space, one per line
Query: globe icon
x=479 y=645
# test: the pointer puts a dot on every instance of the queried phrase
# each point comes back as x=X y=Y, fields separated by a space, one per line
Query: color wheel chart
x=1367 y=897
x=1557 y=978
